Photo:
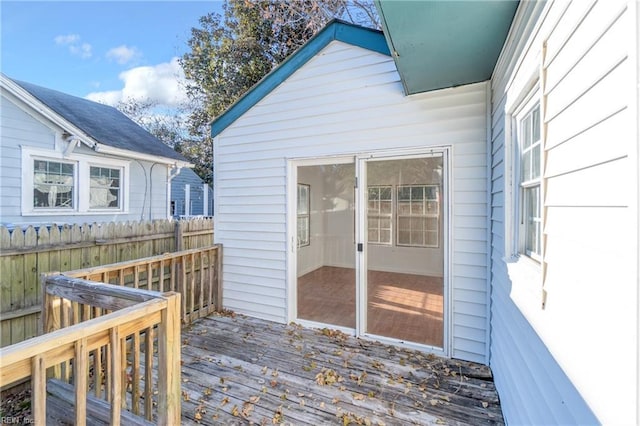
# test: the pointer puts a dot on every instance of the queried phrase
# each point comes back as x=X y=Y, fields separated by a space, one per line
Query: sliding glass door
x=326 y=274
x=405 y=250
x=370 y=246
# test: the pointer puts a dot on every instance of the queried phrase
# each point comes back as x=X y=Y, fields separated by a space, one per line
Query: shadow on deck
x=241 y=370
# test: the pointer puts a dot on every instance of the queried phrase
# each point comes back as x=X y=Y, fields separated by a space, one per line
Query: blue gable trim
x=336 y=30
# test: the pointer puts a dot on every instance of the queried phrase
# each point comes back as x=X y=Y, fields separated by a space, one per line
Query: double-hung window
x=379 y=212
x=418 y=215
x=75 y=184
x=530 y=152
x=53 y=184
x=105 y=188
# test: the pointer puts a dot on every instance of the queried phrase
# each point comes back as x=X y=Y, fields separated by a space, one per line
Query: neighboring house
x=465 y=182
x=190 y=196
x=65 y=159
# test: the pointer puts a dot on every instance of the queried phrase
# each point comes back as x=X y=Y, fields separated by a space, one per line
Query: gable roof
x=439 y=44
x=356 y=35
x=104 y=125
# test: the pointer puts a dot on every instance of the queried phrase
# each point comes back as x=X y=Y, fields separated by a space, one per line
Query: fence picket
x=27 y=253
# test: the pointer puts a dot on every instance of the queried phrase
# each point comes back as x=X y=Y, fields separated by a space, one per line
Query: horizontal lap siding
x=17 y=128
x=147 y=181
x=345 y=101
x=548 y=363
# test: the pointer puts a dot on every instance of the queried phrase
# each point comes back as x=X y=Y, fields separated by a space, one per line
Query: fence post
x=178 y=236
x=169 y=362
x=219 y=304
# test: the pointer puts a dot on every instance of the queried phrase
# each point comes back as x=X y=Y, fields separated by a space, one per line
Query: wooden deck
x=241 y=370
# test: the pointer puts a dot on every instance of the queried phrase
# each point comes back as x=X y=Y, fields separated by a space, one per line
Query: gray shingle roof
x=102 y=123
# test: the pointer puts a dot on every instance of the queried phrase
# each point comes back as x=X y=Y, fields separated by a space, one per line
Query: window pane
x=104 y=190
x=404 y=208
x=385 y=193
x=432 y=192
x=52 y=184
x=532 y=220
x=525 y=131
x=535 y=124
x=416 y=207
x=432 y=207
x=535 y=167
x=417 y=193
x=526 y=166
x=404 y=193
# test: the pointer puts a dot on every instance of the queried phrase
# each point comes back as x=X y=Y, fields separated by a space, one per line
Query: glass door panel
x=326 y=276
x=405 y=250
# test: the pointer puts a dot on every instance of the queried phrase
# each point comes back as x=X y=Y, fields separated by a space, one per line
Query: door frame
x=360 y=160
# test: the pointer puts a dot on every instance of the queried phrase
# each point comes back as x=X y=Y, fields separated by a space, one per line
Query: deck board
x=242 y=370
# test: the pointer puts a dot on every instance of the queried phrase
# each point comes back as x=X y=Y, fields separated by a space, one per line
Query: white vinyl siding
x=21 y=127
x=344 y=101
x=547 y=363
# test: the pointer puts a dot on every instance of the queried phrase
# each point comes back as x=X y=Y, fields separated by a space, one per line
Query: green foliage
x=230 y=53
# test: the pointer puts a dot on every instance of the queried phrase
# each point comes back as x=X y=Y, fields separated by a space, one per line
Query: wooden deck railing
x=195 y=274
x=92 y=362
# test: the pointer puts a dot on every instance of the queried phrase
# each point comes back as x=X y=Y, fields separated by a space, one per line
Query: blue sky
x=101 y=50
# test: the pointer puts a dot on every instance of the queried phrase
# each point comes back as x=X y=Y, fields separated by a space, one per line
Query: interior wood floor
x=402 y=306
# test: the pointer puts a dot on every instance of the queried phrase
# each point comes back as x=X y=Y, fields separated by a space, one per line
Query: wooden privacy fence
x=99 y=362
x=26 y=253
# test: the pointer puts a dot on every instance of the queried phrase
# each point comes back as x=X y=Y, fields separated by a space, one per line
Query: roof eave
x=109 y=150
x=437 y=45
x=48 y=113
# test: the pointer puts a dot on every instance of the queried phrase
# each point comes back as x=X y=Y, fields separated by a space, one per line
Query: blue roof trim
x=366 y=38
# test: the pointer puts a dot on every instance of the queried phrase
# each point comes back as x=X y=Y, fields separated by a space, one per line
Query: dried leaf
x=224 y=401
x=247 y=408
x=235 y=412
x=254 y=399
x=433 y=402
x=485 y=404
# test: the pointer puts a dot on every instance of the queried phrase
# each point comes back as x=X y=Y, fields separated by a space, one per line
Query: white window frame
x=82 y=164
x=74 y=185
x=524 y=271
x=525 y=185
x=121 y=190
x=378 y=216
x=433 y=215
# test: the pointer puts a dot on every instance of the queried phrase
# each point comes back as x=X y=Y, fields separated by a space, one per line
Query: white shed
x=341 y=202
x=475 y=194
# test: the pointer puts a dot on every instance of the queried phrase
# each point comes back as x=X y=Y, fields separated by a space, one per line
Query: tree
x=230 y=53
x=171 y=127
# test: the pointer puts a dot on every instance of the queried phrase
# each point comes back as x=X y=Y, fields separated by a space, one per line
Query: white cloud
x=67 y=39
x=122 y=54
x=72 y=41
x=161 y=84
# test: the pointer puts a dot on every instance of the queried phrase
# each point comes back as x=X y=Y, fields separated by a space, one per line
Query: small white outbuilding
x=464 y=182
